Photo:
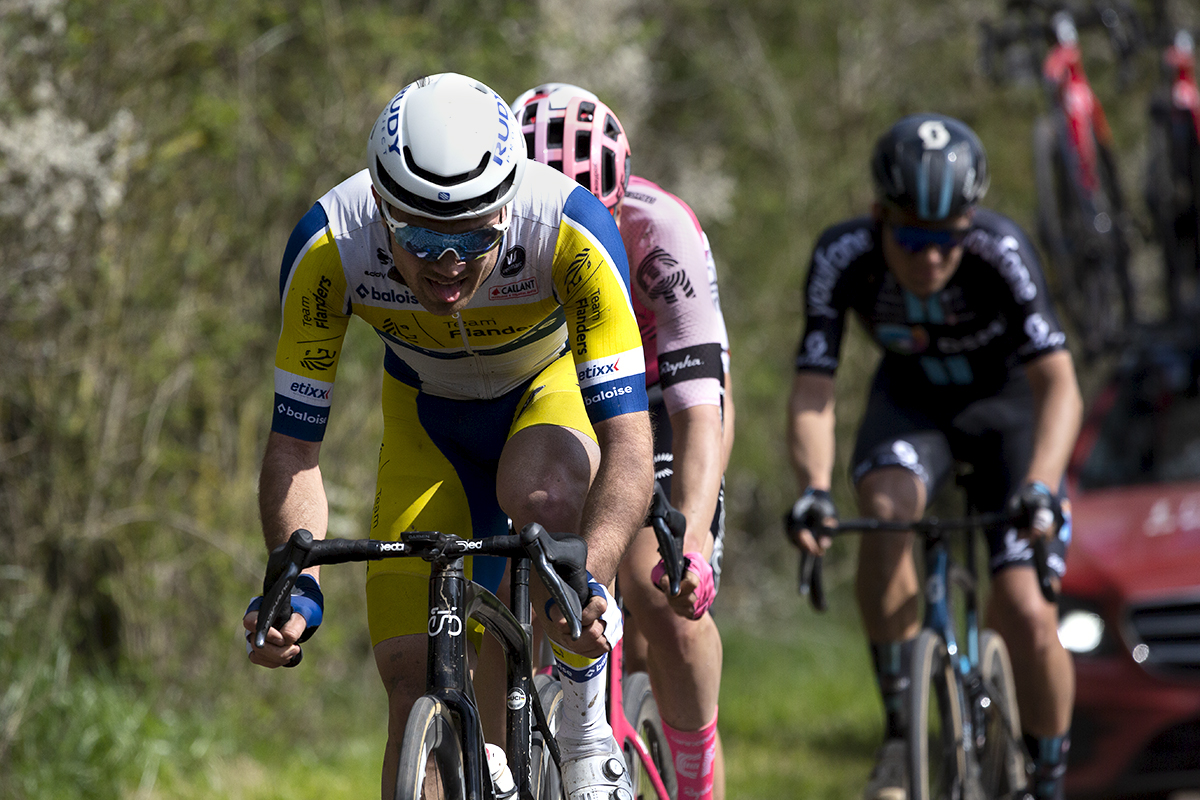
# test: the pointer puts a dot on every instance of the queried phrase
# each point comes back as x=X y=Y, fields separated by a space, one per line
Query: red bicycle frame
x=1181 y=59
x=1063 y=70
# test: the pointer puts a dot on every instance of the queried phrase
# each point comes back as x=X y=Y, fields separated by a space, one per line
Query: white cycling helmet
x=446 y=147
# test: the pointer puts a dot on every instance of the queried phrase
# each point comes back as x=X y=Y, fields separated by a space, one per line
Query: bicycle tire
x=430 y=741
x=936 y=758
x=1002 y=758
x=642 y=712
x=546 y=781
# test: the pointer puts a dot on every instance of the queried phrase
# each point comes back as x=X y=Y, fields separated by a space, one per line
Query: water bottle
x=502 y=779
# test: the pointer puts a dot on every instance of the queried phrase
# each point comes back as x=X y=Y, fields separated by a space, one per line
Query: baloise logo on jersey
x=397 y=296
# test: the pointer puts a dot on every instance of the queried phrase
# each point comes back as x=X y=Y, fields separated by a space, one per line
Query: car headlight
x=1081 y=631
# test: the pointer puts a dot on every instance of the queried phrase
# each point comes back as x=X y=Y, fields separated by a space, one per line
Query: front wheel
x=545 y=778
x=1002 y=758
x=642 y=712
x=936 y=760
x=430 y=754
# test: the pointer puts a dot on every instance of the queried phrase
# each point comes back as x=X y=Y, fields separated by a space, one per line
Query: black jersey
x=960 y=344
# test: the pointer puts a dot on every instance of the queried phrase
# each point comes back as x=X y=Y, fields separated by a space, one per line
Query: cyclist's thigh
x=551 y=454
x=437 y=471
x=995 y=436
x=896 y=433
x=664 y=469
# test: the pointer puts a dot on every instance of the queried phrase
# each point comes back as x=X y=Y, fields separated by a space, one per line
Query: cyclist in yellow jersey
x=514 y=388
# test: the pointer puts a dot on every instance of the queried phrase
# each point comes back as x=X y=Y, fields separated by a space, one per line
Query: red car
x=1130 y=604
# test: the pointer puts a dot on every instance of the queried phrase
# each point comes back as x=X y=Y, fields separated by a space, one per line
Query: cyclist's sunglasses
x=915 y=239
x=431 y=245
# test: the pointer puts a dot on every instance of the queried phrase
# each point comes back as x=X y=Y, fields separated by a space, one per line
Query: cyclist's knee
x=1018 y=611
x=533 y=487
x=891 y=493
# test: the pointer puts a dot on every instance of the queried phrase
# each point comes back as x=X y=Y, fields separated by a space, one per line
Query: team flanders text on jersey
x=559 y=285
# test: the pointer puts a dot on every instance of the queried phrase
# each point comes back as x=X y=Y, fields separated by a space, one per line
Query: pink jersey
x=674 y=296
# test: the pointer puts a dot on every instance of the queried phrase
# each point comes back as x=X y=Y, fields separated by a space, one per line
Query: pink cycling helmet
x=574 y=132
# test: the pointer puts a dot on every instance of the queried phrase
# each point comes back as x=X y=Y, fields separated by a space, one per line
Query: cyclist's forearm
x=697 y=443
x=291 y=493
x=1058 y=409
x=620 y=495
x=811 y=424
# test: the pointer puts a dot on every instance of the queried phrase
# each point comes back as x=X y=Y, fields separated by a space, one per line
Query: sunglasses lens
x=914 y=239
x=431 y=245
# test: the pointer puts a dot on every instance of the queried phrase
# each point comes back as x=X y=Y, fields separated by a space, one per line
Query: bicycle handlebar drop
x=550 y=554
x=669 y=527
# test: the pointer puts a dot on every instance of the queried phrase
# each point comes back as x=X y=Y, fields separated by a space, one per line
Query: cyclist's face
x=922 y=256
x=446 y=285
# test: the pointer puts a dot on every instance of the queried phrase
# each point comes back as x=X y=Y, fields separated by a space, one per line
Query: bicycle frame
x=623 y=729
x=1180 y=57
x=1072 y=94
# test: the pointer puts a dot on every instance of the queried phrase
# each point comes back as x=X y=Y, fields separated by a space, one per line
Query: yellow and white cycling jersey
x=561 y=284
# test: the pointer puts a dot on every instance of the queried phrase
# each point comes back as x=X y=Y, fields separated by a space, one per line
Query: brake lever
x=812 y=584
x=284 y=566
x=567 y=598
x=1044 y=574
x=669 y=528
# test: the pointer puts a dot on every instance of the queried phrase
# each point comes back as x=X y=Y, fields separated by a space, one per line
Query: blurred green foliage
x=153 y=159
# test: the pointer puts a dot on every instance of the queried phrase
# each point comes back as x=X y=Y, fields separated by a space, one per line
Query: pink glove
x=706 y=591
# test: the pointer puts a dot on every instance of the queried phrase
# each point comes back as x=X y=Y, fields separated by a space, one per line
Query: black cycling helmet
x=931 y=165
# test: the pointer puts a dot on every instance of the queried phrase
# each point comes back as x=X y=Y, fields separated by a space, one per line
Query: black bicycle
x=443 y=736
x=964 y=731
x=1083 y=222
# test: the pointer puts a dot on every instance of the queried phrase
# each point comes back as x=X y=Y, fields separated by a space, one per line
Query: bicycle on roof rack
x=443 y=747
x=964 y=732
x=1083 y=222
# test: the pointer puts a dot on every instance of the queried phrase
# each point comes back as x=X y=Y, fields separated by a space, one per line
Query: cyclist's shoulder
x=349 y=206
x=645 y=199
x=999 y=241
x=995 y=223
x=844 y=243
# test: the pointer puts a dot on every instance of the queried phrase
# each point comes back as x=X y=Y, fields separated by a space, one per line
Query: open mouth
x=447 y=291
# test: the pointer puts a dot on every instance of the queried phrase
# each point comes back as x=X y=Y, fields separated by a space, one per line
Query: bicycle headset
x=446 y=147
x=573 y=131
x=931 y=165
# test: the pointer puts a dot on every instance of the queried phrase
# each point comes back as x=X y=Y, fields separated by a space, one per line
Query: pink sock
x=694 y=752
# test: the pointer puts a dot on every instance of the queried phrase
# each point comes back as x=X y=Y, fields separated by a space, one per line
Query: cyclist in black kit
x=976 y=370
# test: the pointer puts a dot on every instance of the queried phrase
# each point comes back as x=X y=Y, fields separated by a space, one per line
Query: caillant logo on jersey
x=314 y=310
x=1004 y=253
x=659 y=276
x=397 y=296
x=525 y=288
x=513 y=263
x=902 y=338
x=828 y=264
x=974 y=341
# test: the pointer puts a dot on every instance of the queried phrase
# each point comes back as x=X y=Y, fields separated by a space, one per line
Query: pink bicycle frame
x=623 y=730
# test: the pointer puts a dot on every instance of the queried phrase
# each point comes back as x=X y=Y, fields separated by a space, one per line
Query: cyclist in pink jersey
x=687 y=375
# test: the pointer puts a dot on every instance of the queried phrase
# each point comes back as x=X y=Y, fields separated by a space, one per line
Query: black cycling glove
x=809 y=513
x=1036 y=503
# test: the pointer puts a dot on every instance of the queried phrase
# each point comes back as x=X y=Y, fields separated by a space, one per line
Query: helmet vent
x=445 y=180
x=611 y=129
x=438 y=209
x=583 y=145
x=554 y=133
x=587 y=111
x=584 y=179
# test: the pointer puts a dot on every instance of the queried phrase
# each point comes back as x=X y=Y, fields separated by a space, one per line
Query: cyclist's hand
x=814 y=511
x=281 y=648
x=1036 y=511
x=594 y=641
x=697 y=589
